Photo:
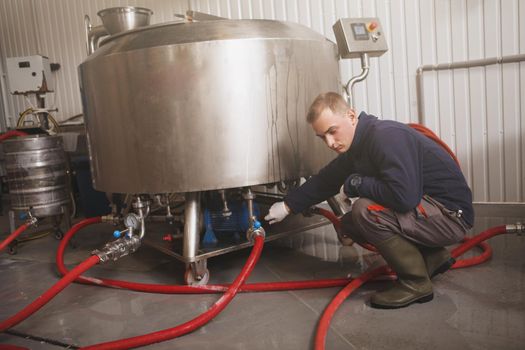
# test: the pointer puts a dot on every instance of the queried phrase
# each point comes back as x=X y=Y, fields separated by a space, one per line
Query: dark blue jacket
x=398 y=164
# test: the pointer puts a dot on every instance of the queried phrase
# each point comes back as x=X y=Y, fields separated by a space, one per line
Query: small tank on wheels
x=37 y=179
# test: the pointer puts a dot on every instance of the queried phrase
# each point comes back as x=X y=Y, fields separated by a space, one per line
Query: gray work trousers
x=430 y=224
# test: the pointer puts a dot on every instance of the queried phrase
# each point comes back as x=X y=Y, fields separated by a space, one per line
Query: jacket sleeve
x=321 y=186
x=399 y=184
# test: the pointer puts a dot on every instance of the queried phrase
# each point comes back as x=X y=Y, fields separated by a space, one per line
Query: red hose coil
x=197 y=322
x=183 y=289
x=330 y=310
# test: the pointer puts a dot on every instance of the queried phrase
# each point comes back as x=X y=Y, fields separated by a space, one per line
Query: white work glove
x=278 y=211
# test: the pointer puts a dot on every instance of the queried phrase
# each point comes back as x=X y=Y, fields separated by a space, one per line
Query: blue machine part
x=219 y=226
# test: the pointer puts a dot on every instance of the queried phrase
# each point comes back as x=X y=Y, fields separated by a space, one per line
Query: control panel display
x=360 y=31
x=357 y=36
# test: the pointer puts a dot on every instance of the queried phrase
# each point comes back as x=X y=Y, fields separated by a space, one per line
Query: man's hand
x=352 y=184
x=278 y=211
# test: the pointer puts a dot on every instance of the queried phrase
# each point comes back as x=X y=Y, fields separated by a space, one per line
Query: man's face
x=336 y=129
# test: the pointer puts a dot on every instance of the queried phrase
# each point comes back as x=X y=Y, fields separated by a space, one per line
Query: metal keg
x=36 y=174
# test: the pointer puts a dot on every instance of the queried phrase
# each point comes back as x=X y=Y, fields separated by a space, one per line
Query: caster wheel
x=191 y=280
x=59 y=234
x=12 y=249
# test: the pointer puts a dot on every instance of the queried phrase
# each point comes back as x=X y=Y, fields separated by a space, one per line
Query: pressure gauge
x=132 y=220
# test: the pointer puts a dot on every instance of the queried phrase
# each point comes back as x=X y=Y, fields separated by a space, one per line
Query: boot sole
x=444 y=267
x=424 y=299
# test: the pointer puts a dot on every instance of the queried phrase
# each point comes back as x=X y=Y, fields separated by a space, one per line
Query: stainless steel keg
x=36 y=174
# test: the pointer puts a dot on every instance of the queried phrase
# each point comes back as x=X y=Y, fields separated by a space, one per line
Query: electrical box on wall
x=29 y=74
x=356 y=36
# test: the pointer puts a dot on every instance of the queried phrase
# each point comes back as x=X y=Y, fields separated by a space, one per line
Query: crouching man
x=413 y=198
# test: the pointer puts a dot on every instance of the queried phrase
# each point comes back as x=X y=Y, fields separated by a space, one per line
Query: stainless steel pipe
x=191 y=226
x=455 y=65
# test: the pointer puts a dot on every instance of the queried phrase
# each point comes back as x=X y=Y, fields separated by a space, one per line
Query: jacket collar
x=363 y=124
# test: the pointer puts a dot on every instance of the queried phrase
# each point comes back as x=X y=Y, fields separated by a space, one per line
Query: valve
x=117 y=249
x=28 y=217
x=255 y=230
x=118 y=234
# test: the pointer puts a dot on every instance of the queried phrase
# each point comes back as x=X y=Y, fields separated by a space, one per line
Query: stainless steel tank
x=181 y=107
x=36 y=174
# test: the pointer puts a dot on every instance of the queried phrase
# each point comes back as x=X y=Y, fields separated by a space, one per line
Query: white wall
x=479 y=112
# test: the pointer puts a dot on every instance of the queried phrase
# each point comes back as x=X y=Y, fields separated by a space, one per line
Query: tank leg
x=12 y=222
x=12 y=248
x=196 y=271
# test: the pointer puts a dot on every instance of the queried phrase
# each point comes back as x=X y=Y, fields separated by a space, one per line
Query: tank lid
x=173 y=33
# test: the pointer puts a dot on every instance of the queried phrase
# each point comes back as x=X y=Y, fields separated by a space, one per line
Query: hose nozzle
x=518 y=228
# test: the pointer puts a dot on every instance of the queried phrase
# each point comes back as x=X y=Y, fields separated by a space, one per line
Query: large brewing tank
x=36 y=174
x=182 y=107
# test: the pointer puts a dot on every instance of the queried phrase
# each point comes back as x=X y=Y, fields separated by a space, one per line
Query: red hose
x=430 y=134
x=183 y=289
x=328 y=314
x=197 y=322
x=330 y=310
x=230 y=292
x=12 y=133
x=483 y=236
x=336 y=222
x=13 y=235
x=47 y=296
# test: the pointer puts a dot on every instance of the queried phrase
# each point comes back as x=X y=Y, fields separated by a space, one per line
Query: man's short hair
x=332 y=100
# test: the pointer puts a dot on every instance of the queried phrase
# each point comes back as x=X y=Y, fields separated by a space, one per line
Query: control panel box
x=29 y=74
x=356 y=36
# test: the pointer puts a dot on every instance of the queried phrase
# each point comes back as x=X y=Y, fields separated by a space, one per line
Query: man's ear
x=350 y=113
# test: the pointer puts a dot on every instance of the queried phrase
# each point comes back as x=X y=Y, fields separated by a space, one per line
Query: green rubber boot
x=437 y=260
x=413 y=284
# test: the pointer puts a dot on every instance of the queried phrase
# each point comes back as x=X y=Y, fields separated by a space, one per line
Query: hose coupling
x=32 y=221
x=29 y=218
x=518 y=228
x=118 y=248
x=111 y=219
x=254 y=231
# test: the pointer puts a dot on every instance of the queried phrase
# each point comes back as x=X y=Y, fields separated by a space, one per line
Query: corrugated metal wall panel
x=479 y=112
x=476 y=102
x=511 y=103
x=492 y=24
x=521 y=35
x=461 y=121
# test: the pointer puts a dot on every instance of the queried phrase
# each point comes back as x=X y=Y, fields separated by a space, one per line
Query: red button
x=372 y=26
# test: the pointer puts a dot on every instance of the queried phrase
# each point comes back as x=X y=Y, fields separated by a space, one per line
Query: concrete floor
x=482 y=307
